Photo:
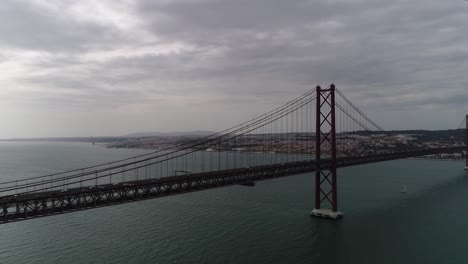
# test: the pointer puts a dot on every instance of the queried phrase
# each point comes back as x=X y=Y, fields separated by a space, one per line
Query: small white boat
x=404 y=190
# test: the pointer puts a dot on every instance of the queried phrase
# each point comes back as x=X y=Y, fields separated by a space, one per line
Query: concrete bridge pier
x=327 y=213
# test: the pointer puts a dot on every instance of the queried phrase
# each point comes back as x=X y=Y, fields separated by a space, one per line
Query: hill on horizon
x=169 y=134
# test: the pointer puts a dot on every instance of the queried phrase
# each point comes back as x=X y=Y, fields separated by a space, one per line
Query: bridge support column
x=325 y=140
x=466 y=143
x=5 y=214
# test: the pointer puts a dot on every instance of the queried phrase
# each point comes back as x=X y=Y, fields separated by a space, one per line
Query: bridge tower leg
x=466 y=143
x=325 y=140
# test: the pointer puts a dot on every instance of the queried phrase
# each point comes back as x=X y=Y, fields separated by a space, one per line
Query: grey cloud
x=387 y=56
x=26 y=25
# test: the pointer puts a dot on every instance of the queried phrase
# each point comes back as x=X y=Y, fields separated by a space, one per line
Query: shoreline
x=419 y=158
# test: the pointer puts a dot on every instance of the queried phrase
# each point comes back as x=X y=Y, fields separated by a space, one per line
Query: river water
x=268 y=223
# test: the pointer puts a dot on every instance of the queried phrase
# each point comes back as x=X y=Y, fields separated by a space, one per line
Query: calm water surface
x=268 y=223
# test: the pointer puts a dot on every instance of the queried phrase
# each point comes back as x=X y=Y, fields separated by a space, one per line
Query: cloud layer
x=113 y=67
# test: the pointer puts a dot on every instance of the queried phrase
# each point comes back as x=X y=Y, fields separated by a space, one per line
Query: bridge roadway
x=40 y=204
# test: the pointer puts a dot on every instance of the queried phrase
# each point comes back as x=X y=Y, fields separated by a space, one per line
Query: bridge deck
x=40 y=204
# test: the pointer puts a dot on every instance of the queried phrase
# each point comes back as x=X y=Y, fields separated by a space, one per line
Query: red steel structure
x=325 y=143
x=119 y=181
x=466 y=143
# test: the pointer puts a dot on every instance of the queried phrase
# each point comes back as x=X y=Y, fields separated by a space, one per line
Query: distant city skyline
x=110 y=68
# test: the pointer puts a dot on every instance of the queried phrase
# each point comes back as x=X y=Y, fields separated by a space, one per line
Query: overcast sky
x=108 y=67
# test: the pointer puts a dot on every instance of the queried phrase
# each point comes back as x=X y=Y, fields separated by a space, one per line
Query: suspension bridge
x=317 y=132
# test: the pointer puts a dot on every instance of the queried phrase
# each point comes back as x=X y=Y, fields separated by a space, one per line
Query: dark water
x=268 y=223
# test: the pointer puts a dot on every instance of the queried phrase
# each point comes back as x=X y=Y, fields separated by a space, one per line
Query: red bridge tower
x=466 y=143
x=325 y=143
